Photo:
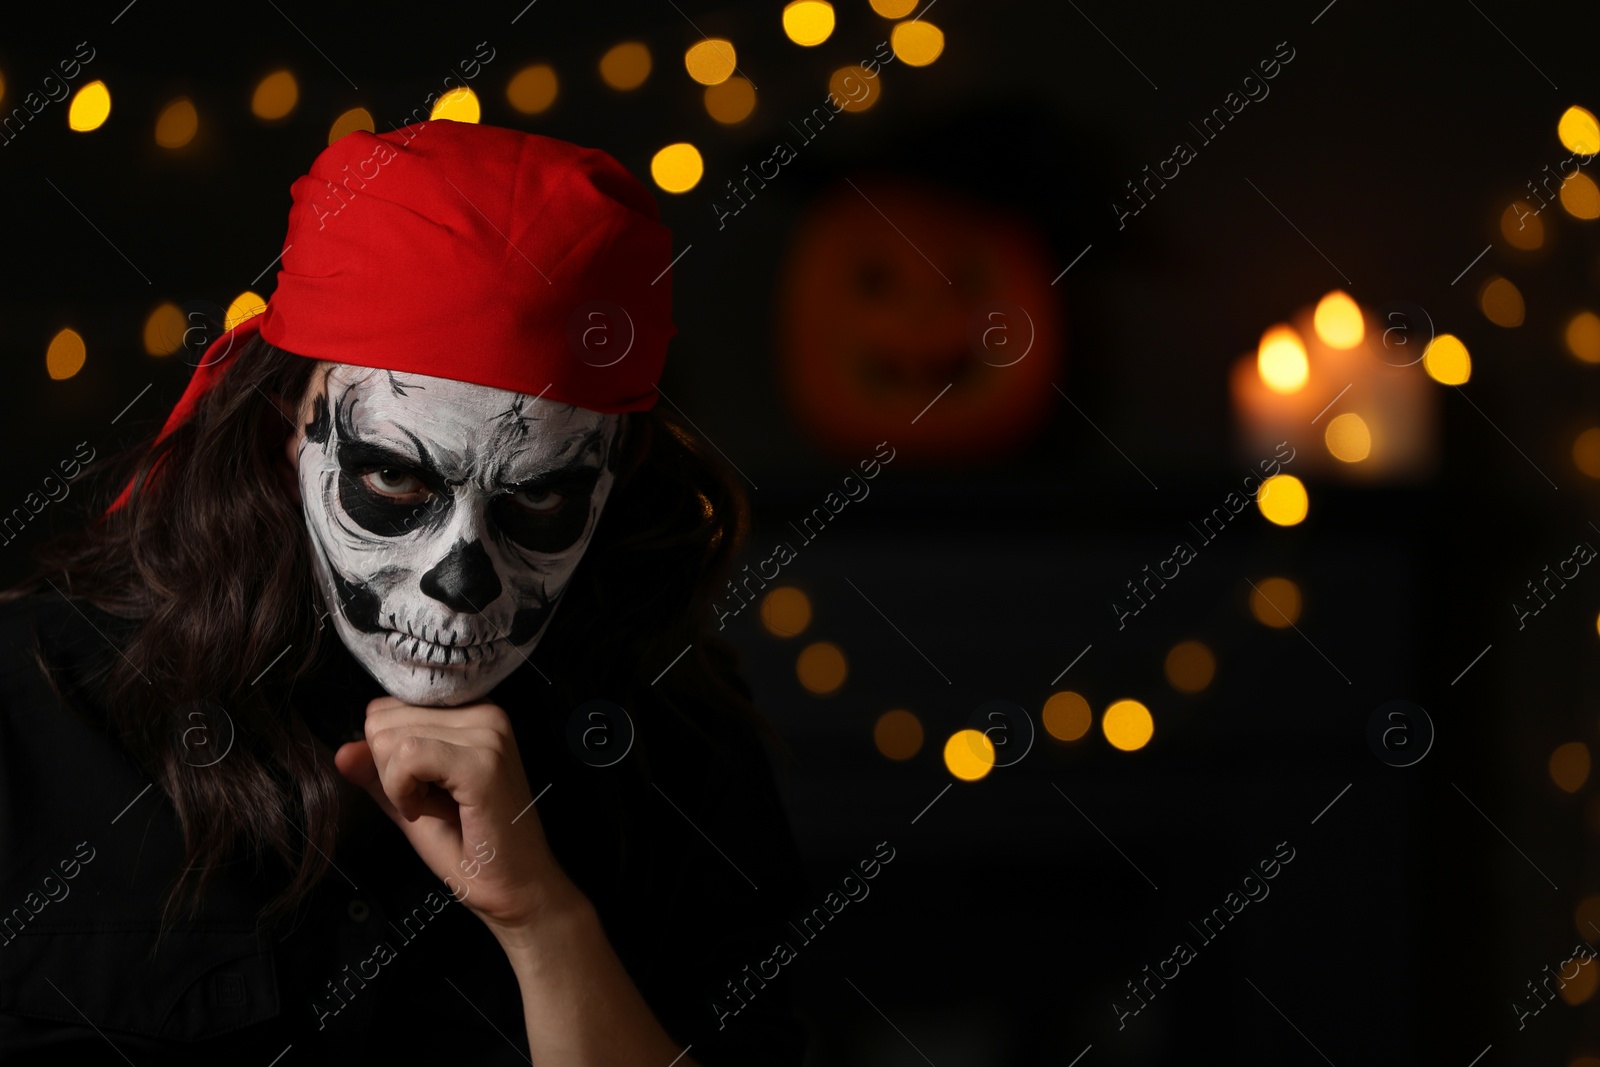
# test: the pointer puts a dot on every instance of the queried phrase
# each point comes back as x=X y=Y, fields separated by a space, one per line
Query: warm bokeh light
x=1348 y=438
x=711 y=61
x=1587 y=911
x=275 y=96
x=1338 y=321
x=66 y=354
x=1281 y=360
x=177 y=124
x=1501 y=302
x=1580 y=987
x=894 y=9
x=917 y=43
x=785 y=611
x=821 y=668
x=1521 y=227
x=1580 y=197
x=459 y=104
x=357 y=118
x=627 y=65
x=533 y=88
x=164 y=330
x=854 y=88
x=1067 y=716
x=90 y=107
x=1569 y=766
x=1586 y=452
x=808 y=22
x=1579 y=131
x=969 y=754
x=730 y=101
x=246 y=305
x=1127 y=725
x=898 y=734
x=1583 y=336
x=1282 y=499
x=1275 y=602
x=1190 y=666
x=1446 y=360
x=677 y=168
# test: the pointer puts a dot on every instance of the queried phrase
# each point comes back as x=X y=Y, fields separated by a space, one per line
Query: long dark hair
x=204 y=609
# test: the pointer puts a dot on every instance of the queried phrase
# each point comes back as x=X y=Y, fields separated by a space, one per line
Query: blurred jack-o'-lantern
x=914 y=315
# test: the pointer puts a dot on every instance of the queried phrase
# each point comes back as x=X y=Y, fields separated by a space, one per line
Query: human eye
x=548 y=514
x=538 y=501
x=395 y=482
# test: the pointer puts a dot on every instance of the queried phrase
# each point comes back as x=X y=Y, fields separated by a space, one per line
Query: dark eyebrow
x=574 y=471
x=371 y=455
x=572 y=475
x=428 y=463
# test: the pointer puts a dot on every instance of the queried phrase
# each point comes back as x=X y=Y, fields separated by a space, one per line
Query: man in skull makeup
x=426 y=436
x=447 y=519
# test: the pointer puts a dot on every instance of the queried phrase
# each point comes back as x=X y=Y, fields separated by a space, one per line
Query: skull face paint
x=445 y=520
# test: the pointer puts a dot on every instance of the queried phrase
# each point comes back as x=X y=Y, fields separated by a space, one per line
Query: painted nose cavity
x=464 y=580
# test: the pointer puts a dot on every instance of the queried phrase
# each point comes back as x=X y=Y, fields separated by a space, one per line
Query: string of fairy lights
x=822 y=667
x=712 y=64
x=1280 y=370
x=1335 y=338
x=1523 y=228
x=1284 y=365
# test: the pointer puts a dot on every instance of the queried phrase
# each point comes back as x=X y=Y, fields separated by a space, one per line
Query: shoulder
x=20 y=623
x=56 y=759
x=53 y=652
x=90 y=844
x=72 y=638
x=59 y=767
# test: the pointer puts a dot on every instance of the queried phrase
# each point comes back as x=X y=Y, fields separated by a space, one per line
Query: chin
x=435 y=692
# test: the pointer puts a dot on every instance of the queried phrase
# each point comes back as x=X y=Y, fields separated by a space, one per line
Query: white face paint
x=445 y=521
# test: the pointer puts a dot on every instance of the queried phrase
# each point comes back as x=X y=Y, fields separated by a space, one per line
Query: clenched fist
x=453 y=781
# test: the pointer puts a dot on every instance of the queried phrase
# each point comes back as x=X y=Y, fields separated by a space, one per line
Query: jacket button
x=358 y=910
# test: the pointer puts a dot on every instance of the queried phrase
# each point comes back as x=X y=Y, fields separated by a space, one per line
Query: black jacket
x=380 y=959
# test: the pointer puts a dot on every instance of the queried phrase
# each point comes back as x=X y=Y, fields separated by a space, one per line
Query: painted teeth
x=444 y=652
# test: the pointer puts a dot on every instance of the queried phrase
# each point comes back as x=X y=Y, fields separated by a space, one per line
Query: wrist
x=561 y=916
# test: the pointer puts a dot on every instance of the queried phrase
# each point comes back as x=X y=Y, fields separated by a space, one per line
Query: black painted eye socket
x=549 y=517
x=385 y=493
x=388 y=495
x=383 y=511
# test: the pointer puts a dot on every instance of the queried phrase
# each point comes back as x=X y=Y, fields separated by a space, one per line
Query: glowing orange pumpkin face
x=912 y=315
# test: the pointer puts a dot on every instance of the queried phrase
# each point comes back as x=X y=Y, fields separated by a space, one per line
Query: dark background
x=1420 y=904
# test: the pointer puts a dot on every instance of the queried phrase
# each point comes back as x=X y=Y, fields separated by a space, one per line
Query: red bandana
x=476 y=253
